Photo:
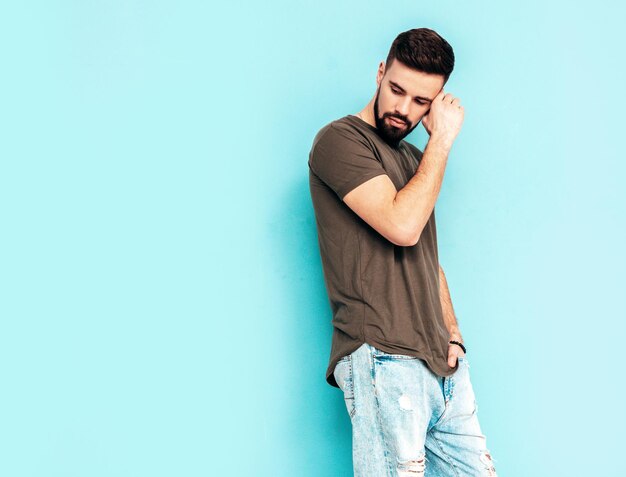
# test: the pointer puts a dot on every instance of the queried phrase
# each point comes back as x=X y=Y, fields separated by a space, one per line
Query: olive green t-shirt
x=380 y=293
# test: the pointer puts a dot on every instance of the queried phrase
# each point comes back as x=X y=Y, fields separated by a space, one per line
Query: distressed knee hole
x=405 y=402
x=486 y=459
x=411 y=468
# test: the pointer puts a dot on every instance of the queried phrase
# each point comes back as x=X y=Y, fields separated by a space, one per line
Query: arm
x=449 y=319
x=400 y=216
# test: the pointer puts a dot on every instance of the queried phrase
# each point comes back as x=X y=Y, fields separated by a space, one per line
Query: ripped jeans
x=408 y=421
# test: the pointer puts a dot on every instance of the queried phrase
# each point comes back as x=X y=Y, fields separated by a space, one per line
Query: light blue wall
x=162 y=305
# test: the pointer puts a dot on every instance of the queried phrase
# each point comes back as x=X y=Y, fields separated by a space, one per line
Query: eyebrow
x=402 y=89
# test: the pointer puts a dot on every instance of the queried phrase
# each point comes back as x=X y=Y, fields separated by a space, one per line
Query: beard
x=390 y=133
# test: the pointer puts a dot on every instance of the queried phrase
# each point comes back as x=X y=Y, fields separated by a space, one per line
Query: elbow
x=407 y=229
x=407 y=238
x=412 y=240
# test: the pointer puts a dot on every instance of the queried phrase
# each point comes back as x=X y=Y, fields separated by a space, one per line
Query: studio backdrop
x=162 y=304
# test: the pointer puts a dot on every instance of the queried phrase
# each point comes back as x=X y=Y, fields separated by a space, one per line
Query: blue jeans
x=408 y=421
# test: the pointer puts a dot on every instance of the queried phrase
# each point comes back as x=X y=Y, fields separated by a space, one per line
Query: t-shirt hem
x=387 y=348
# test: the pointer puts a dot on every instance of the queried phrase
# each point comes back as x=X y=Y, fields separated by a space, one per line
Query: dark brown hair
x=422 y=49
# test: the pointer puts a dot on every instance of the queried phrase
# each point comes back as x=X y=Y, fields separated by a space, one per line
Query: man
x=397 y=352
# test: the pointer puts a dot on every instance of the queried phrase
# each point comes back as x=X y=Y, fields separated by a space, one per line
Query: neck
x=367 y=113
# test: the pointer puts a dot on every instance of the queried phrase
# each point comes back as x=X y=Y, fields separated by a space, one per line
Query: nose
x=402 y=107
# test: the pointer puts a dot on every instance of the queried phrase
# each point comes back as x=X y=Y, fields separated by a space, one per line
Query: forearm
x=413 y=204
x=448 y=311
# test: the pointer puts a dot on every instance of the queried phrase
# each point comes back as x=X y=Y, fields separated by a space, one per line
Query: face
x=403 y=94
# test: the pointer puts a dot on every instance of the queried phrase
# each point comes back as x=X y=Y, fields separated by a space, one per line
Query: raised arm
x=400 y=216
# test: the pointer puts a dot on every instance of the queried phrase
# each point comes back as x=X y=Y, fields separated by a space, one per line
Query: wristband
x=460 y=344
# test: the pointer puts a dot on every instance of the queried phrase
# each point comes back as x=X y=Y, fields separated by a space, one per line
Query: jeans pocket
x=344 y=376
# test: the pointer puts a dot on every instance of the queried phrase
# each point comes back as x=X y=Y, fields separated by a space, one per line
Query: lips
x=396 y=122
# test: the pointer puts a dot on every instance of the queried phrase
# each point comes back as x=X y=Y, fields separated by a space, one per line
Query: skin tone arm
x=450 y=320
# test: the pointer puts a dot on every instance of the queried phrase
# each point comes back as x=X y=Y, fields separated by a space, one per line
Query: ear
x=381 y=73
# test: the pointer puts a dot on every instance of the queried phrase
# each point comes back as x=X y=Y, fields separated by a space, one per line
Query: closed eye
x=398 y=92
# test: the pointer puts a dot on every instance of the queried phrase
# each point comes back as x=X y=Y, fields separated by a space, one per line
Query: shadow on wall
x=316 y=417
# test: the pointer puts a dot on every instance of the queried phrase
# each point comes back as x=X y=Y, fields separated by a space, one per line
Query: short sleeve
x=343 y=160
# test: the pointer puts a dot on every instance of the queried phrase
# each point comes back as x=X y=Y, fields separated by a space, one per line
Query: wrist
x=441 y=141
x=459 y=344
x=458 y=338
x=455 y=334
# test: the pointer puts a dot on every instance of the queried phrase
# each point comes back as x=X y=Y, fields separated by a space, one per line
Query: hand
x=454 y=351
x=444 y=118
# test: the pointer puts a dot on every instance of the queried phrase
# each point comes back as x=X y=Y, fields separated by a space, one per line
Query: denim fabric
x=408 y=421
